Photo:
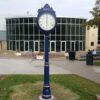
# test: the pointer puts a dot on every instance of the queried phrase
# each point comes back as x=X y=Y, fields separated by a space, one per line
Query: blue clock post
x=46 y=21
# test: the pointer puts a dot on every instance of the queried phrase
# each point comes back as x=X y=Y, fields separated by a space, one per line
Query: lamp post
x=46 y=21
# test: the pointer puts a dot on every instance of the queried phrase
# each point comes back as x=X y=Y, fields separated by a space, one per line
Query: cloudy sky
x=68 y=8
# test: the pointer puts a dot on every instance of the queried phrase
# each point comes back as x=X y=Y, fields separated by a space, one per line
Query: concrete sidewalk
x=79 y=68
x=57 y=66
x=25 y=66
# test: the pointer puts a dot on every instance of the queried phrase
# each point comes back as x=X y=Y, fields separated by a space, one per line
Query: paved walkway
x=57 y=66
x=25 y=66
x=79 y=68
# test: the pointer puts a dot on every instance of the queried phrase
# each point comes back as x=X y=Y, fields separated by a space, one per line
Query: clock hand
x=46 y=20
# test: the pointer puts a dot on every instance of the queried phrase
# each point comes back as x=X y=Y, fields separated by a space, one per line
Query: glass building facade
x=23 y=34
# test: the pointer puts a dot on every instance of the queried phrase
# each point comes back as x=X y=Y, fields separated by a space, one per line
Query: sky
x=66 y=8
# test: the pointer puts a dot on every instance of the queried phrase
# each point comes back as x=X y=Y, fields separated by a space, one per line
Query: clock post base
x=41 y=98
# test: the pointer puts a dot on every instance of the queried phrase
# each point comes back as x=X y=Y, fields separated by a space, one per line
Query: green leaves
x=96 y=15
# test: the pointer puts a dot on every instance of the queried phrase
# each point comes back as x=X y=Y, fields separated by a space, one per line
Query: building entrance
x=52 y=46
x=17 y=45
x=63 y=46
x=26 y=45
x=36 y=46
x=80 y=45
x=72 y=45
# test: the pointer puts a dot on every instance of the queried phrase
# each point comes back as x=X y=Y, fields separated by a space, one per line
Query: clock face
x=46 y=22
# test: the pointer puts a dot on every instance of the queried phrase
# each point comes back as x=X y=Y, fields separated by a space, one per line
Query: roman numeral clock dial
x=46 y=22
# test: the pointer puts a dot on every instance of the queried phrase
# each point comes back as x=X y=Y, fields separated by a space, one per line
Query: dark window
x=41 y=33
x=35 y=20
x=30 y=20
x=21 y=20
x=68 y=20
x=13 y=45
x=42 y=37
x=25 y=20
x=63 y=29
x=77 y=44
x=73 y=20
x=81 y=21
x=73 y=30
x=63 y=38
x=31 y=45
x=63 y=20
x=42 y=46
x=13 y=29
x=17 y=37
x=81 y=30
x=21 y=29
x=98 y=42
x=36 y=29
x=83 y=45
x=68 y=28
x=77 y=21
x=13 y=21
x=68 y=45
x=92 y=43
x=99 y=38
x=99 y=30
x=31 y=29
x=77 y=37
x=26 y=29
x=58 y=29
x=57 y=46
x=13 y=37
x=26 y=37
x=17 y=29
x=30 y=37
x=81 y=37
x=77 y=29
x=72 y=37
x=21 y=45
x=21 y=37
x=53 y=32
x=52 y=37
x=9 y=21
x=67 y=37
x=57 y=37
x=17 y=20
x=36 y=37
x=99 y=35
x=58 y=20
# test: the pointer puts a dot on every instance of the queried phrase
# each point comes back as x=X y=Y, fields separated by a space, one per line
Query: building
x=23 y=34
x=2 y=34
x=92 y=38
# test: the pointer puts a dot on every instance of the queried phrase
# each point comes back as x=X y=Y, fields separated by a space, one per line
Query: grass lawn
x=85 y=89
x=97 y=63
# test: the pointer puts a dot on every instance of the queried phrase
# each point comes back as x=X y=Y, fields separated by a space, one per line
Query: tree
x=96 y=10
x=96 y=15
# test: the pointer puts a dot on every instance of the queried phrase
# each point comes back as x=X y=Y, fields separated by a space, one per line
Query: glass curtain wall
x=23 y=35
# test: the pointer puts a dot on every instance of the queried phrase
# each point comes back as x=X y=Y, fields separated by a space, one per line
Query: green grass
x=86 y=89
x=30 y=91
x=97 y=63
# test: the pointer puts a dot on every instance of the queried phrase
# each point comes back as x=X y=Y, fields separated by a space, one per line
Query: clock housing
x=46 y=18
